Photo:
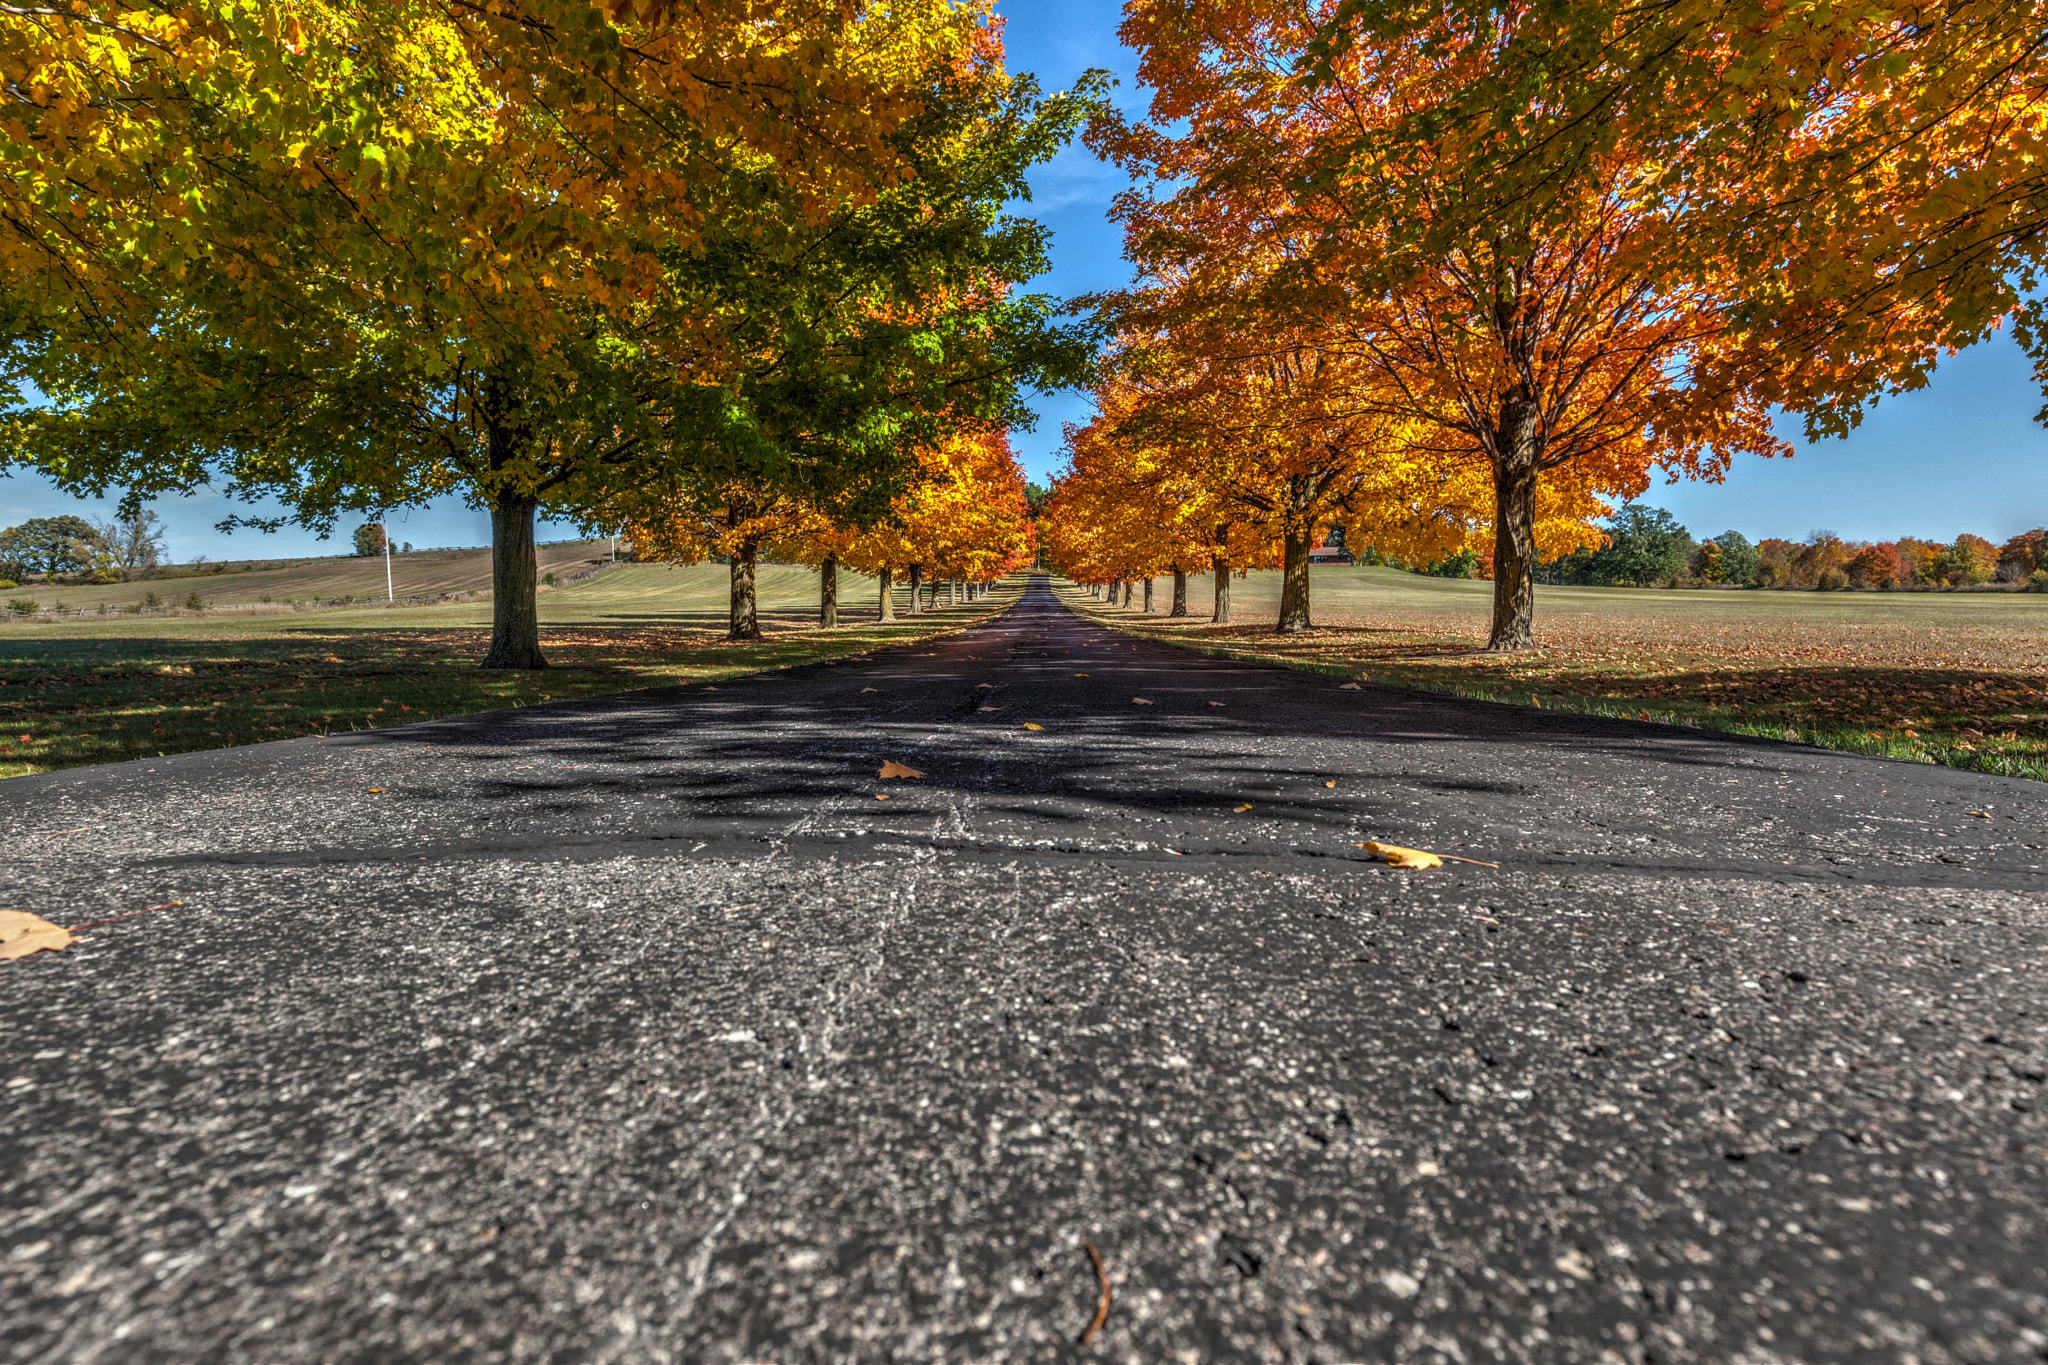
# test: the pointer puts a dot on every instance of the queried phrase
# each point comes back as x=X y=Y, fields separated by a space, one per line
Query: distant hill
x=423 y=573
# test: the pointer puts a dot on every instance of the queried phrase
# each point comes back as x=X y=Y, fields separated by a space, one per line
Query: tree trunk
x=882 y=576
x=746 y=618
x=916 y=582
x=515 y=608
x=1221 y=568
x=1514 y=556
x=1148 y=597
x=1294 y=583
x=1127 y=594
x=1180 y=592
x=828 y=592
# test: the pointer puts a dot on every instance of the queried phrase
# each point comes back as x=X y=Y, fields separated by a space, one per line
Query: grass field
x=1958 y=678
x=104 y=690
x=284 y=582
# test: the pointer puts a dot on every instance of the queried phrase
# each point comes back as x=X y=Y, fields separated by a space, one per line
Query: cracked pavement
x=639 y=1030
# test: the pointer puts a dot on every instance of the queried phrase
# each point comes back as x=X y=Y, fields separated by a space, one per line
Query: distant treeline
x=1648 y=548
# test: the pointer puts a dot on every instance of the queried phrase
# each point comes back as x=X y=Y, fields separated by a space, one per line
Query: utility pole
x=384 y=528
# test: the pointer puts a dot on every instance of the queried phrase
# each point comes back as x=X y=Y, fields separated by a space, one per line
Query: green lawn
x=1959 y=678
x=104 y=690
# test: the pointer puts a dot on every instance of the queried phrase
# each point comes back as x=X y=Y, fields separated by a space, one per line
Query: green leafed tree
x=462 y=250
x=49 y=545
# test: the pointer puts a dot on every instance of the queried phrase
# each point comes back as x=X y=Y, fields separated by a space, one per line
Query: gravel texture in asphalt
x=643 y=1030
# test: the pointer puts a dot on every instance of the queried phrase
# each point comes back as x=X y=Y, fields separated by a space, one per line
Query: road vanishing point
x=642 y=1029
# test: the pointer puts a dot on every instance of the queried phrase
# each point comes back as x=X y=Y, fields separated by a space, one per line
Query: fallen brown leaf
x=1242 y=809
x=22 y=933
x=990 y=708
x=1331 y=783
x=1140 y=701
x=891 y=768
x=1215 y=703
x=871 y=689
x=881 y=796
x=1347 y=687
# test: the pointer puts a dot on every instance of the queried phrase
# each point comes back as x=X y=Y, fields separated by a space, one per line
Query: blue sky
x=1964 y=454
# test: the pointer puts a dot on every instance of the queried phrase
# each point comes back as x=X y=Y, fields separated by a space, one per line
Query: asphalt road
x=639 y=1030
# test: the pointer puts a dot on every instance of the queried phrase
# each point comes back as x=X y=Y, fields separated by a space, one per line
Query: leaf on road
x=1981 y=815
x=990 y=708
x=881 y=796
x=1080 y=675
x=375 y=790
x=1140 y=701
x=871 y=689
x=1402 y=857
x=1033 y=725
x=22 y=933
x=1215 y=703
x=1347 y=687
x=1242 y=809
x=990 y=686
x=1331 y=783
x=891 y=768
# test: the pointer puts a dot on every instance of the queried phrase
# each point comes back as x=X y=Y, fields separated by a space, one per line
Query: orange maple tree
x=1554 y=355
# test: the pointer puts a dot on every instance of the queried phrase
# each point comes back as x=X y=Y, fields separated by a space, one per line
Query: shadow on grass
x=1986 y=720
x=70 y=702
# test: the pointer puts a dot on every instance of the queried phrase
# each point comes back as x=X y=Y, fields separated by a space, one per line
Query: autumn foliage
x=1465 y=279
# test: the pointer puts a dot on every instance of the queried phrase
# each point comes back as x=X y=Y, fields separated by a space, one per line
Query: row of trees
x=1457 y=280
x=1647 y=546
x=630 y=263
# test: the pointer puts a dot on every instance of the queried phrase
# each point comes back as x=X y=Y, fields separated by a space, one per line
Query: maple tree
x=1869 y=176
x=1553 y=355
x=964 y=520
x=495 y=249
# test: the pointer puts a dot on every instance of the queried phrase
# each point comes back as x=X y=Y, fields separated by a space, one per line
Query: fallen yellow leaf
x=1242 y=809
x=1403 y=857
x=1033 y=725
x=881 y=796
x=1080 y=675
x=22 y=933
x=1980 y=815
x=1331 y=783
x=375 y=790
x=891 y=768
x=871 y=689
x=1140 y=701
